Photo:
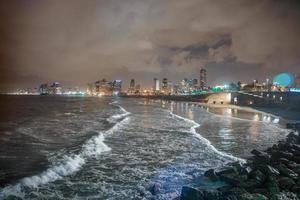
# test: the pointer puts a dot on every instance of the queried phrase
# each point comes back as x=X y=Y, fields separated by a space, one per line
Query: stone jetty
x=272 y=174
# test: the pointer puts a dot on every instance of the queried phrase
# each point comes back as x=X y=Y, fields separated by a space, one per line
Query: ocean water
x=118 y=148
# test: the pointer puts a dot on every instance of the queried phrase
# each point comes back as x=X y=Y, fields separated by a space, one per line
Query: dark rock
x=293 y=138
x=250 y=184
x=296 y=189
x=296 y=147
x=272 y=186
x=211 y=174
x=189 y=193
x=287 y=172
x=258 y=176
x=248 y=196
x=283 y=160
x=233 y=179
x=286 y=183
x=281 y=154
x=261 y=157
x=227 y=170
x=286 y=196
x=240 y=168
x=296 y=159
x=262 y=191
x=268 y=170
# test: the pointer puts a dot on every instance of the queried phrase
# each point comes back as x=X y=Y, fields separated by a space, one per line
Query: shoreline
x=272 y=174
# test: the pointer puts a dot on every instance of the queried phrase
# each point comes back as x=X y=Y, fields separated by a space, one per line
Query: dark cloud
x=76 y=41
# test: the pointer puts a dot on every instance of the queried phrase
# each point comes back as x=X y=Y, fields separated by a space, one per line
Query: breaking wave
x=206 y=141
x=69 y=164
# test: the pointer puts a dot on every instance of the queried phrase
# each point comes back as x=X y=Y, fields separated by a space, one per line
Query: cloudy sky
x=77 y=41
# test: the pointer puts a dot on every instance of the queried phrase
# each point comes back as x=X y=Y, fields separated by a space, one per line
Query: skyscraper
x=164 y=84
x=155 y=85
x=203 y=81
x=132 y=84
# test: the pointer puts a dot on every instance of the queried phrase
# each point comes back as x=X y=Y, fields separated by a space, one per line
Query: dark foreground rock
x=271 y=174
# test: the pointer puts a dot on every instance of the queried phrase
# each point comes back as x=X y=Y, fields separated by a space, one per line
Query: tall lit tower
x=132 y=84
x=155 y=84
x=202 y=80
x=164 y=85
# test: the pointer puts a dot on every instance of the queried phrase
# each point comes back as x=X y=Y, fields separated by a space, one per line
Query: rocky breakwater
x=271 y=174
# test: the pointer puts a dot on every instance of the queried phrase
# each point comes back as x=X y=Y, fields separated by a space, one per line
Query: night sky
x=76 y=42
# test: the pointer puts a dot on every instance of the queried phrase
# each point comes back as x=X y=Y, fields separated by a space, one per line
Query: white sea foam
x=69 y=164
x=206 y=141
x=116 y=117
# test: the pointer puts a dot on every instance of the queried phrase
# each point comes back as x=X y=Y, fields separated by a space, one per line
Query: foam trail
x=193 y=131
x=69 y=165
x=116 y=117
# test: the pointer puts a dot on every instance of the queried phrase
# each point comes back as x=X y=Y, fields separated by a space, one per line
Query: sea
x=57 y=147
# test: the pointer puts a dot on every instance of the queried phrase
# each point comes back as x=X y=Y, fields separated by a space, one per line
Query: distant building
x=164 y=83
x=132 y=84
x=155 y=85
x=131 y=89
x=44 y=89
x=203 y=80
x=55 y=89
x=164 y=86
x=116 y=87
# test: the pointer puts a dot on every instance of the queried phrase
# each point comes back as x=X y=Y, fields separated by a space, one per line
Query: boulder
x=281 y=154
x=226 y=170
x=296 y=147
x=296 y=159
x=286 y=183
x=233 y=179
x=287 y=172
x=261 y=157
x=272 y=186
x=248 y=196
x=268 y=170
x=286 y=196
x=293 y=138
x=283 y=160
x=211 y=175
x=190 y=193
x=258 y=176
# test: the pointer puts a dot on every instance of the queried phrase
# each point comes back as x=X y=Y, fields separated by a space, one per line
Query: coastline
x=272 y=174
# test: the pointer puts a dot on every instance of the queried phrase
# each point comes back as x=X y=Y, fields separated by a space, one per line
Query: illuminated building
x=97 y=87
x=105 y=87
x=164 y=87
x=131 y=89
x=203 y=80
x=55 y=89
x=116 y=87
x=44 y=90
x=155 y=85
x=132 y=84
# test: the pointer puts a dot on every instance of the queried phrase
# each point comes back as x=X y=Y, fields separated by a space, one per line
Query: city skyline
x=75 y=42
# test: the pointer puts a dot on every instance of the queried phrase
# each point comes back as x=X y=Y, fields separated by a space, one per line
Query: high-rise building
x=203 y=80
x=44 y=90
x=155 y=85
x=164 y=85
x=132 y=84
x=55 y=88
x=117 y=85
